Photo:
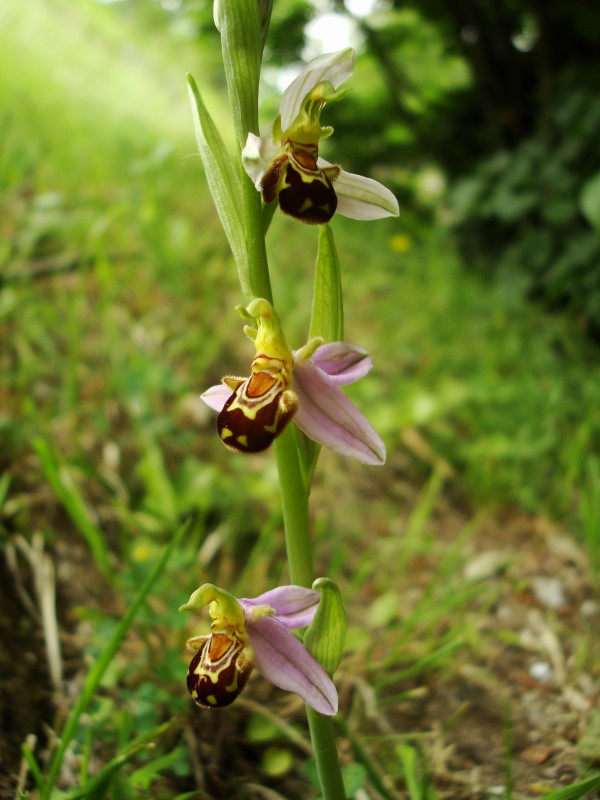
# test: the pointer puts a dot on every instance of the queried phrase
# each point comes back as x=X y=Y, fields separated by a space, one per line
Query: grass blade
x=575 y=791
x=97 y=671
x=98 y=786
x=63 y=484
x=34 y=767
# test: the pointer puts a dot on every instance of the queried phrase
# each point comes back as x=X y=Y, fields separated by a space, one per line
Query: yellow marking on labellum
x=219 y=670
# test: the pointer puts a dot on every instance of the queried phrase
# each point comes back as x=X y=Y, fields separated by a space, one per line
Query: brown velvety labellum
x=256 y=413
x=270 y=181
x=307 y=194
x=219 y=670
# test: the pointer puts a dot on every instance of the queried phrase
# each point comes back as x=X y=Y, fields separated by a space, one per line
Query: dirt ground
x=513 y=712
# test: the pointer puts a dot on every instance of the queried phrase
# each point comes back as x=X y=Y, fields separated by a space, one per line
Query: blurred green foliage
x=116 y=306
x=500 y=98
x=520 y=209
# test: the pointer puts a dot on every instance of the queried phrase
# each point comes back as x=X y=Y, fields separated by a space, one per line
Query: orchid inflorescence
x=284 y=387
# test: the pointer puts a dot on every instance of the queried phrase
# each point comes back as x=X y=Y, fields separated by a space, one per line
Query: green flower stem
x=325 y=752
x=258 y=266
x=294 y=501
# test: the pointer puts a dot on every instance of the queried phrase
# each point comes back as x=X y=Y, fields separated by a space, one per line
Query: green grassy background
x=116 y=312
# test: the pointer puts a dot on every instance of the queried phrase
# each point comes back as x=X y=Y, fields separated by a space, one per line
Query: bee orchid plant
x=291 y=399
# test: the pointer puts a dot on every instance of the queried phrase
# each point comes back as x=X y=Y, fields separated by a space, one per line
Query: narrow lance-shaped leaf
x=223 y=181
x=241 y=43
x=266 y=9
x=240 y=24
x=58 y=474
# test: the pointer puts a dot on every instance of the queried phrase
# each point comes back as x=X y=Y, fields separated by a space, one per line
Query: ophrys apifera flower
x=256 y=632
x=287 y=165
x=302 y=385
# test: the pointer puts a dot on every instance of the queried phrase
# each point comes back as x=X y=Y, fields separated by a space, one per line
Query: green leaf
x=354 y=776
x=589 y=201
x=34 y=767
x=160 y=494
x=261 y=729
x=97 y=787
x=327 y=319
x=241 y=43
x=143 y=777
x=276 y=761
x=414 y=774
x=221 y=175
x=325 y=636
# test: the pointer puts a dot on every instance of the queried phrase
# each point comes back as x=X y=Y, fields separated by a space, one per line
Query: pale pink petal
x=216 y=396
x=294 y=606
x=327 y=416
x=283 y=660
x=344 y=363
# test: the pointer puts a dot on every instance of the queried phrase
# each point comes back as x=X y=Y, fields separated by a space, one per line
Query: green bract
x=327 y=632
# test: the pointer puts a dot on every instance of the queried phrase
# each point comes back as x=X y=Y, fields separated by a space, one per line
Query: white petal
x=332 y=67
x=362 y=198
x=257 y=154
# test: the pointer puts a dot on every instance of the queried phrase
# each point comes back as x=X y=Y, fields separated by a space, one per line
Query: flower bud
x=325 y=636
